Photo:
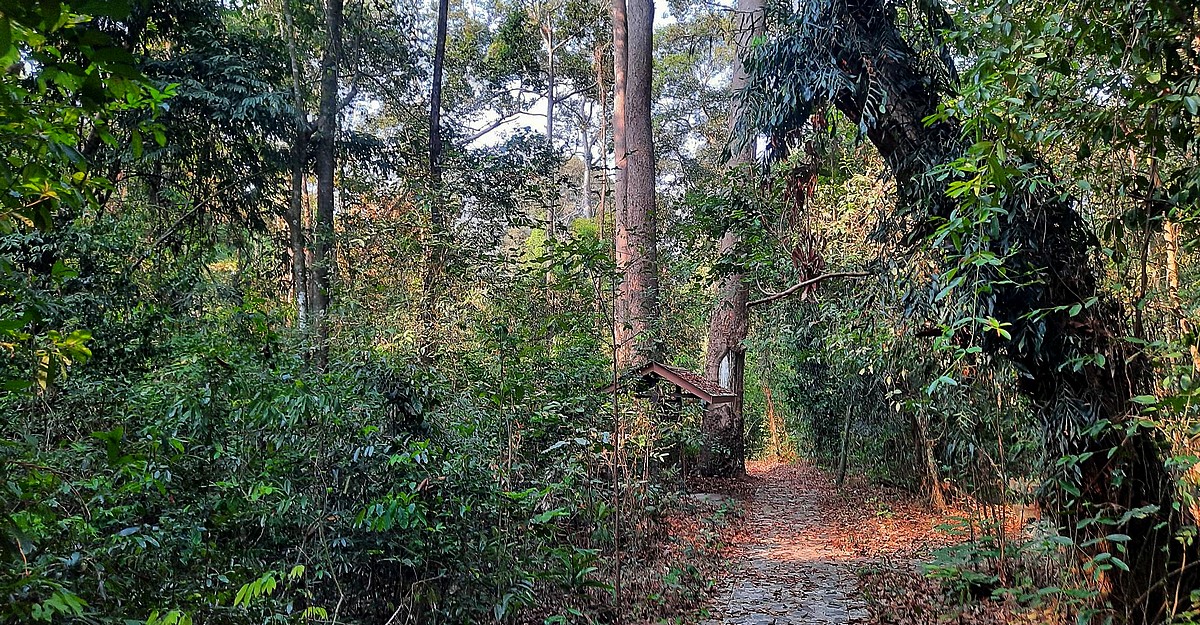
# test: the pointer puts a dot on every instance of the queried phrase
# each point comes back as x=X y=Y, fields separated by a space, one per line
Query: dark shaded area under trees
x=1066 y=336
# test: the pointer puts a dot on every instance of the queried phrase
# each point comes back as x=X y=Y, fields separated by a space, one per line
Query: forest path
x=790 y=571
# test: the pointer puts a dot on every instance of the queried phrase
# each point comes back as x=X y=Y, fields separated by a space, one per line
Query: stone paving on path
x=787 y=572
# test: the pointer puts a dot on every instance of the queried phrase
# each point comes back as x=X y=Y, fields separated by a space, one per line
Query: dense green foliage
x=172 y=452
x=193 y=467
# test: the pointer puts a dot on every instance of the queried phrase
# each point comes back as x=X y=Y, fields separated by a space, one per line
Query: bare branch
x=770 y=297
x=524 y=110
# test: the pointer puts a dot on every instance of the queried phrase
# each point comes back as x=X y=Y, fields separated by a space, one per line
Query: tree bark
x=299 y=166
x=585 y=141
x=636 y=236
x=844 y=447
x=435 y=106
x=1171 y=234
x=602 y=90
x=772 y=424
x=928 y=459
x=620 y=60
x=435 y=250
x=548 y=29
x=723 y=425
x=296 y=238
x=724 y=449
x=327 y=129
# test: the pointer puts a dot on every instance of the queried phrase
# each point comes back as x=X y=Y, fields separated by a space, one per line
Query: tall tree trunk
x=327 y=129
x=844 y=446
x=299 y=158
x=435 y=107
x=585 y=141
x=772 y=423
x=1172 y=231
x=298 y=165
x=928 y=459
x=620 y=62
x=723 y=425
x=1049 y=251
x=435 y=250
x=602 y=90
x=548 y=29
x=1171 y=234
x=636 y=227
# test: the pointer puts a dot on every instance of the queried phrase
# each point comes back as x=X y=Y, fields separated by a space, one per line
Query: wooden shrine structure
x=644 y=380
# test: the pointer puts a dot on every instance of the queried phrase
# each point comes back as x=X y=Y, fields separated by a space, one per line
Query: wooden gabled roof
x=691 y=383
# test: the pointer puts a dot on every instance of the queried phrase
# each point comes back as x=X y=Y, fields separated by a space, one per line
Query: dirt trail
x=789 y=569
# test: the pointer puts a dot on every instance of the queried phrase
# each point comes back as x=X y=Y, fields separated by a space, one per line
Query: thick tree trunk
x=1050 y=250
x=723 y=425
x=435 y=248
x=636 y=221
x=724 y=449
x=327 y=129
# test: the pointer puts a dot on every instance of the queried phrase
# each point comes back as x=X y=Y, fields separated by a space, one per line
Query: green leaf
x=1192 y=104
x=548 y=516
x=241 y=595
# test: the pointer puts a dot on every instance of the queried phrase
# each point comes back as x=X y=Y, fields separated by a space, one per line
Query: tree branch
x=770 y=297
x=524 y=110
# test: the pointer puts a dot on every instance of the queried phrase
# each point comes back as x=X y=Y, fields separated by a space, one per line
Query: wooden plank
x=691 y=383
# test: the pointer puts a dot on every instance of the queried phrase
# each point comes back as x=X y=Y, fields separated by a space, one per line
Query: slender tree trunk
x=602 y=90
x=435 y=250
x=435 y=106
x=723 y=425
x=637 y=228
x=928 y=460
x=772 y=423
x=1171 y=233
x=296 y=236
x=844 y=451
x=585 y=140
x=327 y=129
x=299 y=164
x=550 y=78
